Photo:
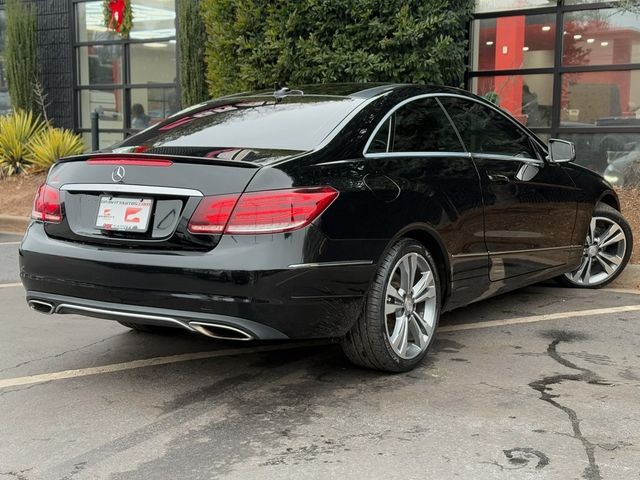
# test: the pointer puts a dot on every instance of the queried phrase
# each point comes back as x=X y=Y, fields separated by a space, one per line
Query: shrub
x=191 y=42
x=51 y=144
x=16 y=132
x=21 y=53
x=256 y=43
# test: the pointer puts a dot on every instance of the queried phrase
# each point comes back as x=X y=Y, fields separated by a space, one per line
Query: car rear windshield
x=293 y=123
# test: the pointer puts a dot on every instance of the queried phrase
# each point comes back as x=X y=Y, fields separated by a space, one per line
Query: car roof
x=357 y=90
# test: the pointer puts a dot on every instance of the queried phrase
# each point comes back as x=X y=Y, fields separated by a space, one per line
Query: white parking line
x=539 y=318
x=9 y=243
x=150 y=362
x=186 y=357
x=10 y=285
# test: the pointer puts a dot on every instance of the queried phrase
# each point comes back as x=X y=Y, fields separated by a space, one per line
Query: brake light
x=138 y=162
x=46 y=206
x=261 y=212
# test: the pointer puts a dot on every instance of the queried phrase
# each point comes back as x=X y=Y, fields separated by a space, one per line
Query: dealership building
x=567 y=68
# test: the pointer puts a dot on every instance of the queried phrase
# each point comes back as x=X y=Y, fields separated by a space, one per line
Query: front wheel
x=607 y=250
x=401 y=312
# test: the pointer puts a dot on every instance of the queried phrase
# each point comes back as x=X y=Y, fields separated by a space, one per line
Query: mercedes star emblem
x=118 y=174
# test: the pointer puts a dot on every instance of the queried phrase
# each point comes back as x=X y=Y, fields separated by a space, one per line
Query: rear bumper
x=261 y=287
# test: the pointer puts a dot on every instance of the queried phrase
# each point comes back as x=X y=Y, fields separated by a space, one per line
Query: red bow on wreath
x=116 y=7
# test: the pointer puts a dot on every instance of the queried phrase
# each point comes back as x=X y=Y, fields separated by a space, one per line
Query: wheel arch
x=609 y=197
x=428 y=237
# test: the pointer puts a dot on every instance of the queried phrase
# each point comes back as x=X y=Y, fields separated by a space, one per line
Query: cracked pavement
x=554 y=400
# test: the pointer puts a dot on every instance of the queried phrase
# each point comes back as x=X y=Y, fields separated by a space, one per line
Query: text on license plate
x=124 y=214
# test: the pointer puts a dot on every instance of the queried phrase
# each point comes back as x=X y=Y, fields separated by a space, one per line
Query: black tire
x=139 y=327
x=367 y=343
x=603 y=210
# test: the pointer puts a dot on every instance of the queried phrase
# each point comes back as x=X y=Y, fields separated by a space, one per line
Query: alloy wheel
x=410 y=306
x=604 y=252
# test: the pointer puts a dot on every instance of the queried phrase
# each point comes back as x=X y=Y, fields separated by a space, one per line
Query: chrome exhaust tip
x=220 y=332
x=41 y=307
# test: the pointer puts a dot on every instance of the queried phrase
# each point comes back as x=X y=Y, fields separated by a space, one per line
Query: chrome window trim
x=455 y=127
x=495 y=109
x=419 y=154
x=127 y=188
x=496 y=156
x=391 y=112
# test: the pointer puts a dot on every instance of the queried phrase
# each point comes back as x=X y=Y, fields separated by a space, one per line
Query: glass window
x=90 y=23
x=601 y=37
x=153 y=62
x=616 y=155
x=152 y=105
x=294 y=123
x=100 y=64
x=486 y=131
x=610 y=99
x=422 y=126
x=106 y=139
x=153 y=19
x=514 y=42
x=529 y=98
x=500 y=5
x=380 y=142
x=108 y=104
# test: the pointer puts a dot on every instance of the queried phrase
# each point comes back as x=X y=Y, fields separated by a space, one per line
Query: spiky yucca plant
x=16 y=132
x=51 y=144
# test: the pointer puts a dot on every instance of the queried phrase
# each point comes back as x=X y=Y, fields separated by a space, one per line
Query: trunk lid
x=168 y=187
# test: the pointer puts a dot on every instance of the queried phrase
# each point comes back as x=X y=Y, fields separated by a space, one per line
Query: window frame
x=536 y=143
x=557 y=70
x=125 y=85
x=391 y=114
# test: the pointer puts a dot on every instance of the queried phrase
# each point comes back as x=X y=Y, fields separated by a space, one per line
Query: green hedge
x=191 y=42
x=255 y=43
x=21 y=54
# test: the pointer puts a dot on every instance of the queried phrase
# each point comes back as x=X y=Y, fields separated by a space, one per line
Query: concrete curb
x=13 y=224
x=629 y=279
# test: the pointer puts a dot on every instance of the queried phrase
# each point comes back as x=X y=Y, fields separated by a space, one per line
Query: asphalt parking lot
x=541 y=383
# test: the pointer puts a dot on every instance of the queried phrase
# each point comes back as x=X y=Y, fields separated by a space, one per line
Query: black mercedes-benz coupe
x=357 y=212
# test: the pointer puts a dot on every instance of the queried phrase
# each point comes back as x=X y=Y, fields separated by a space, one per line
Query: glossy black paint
x=487 y=237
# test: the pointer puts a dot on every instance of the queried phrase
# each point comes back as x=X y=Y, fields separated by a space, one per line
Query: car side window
x=486 y=131
x=418 y=126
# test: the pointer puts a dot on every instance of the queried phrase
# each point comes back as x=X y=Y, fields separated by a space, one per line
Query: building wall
x=54 y=50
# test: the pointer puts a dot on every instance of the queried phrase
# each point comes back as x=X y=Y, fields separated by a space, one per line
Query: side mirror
x=561 y=151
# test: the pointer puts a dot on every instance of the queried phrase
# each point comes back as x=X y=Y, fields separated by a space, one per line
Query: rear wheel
x=401 y=312
x=606 y=252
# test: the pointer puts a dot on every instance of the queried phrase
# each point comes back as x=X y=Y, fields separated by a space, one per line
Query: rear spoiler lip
x=173 y=158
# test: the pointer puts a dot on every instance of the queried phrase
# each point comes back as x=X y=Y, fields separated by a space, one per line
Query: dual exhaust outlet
x=210 y=329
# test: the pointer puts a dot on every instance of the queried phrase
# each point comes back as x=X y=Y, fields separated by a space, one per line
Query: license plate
x=124 y=214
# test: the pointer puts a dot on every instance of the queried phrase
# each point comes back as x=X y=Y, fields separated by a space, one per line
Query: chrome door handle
x=498 y=178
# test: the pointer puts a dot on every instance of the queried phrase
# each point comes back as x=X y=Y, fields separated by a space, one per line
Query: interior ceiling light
x=577 y=37
x=591 y=40
x=489 y=43
x=604 y=44
x=546 y=28
x=525 y=49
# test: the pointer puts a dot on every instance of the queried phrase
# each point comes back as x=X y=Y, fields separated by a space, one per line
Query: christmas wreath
x=118 y=16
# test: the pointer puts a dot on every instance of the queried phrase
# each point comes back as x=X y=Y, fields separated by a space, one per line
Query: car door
x=530 y=204
x=417 y=147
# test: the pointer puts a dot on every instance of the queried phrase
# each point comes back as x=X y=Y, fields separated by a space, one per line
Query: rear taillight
x=46 y=206
x=261 y=212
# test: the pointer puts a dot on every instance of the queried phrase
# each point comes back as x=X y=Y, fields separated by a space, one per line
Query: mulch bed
x=630 y=205
x=17 y=192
